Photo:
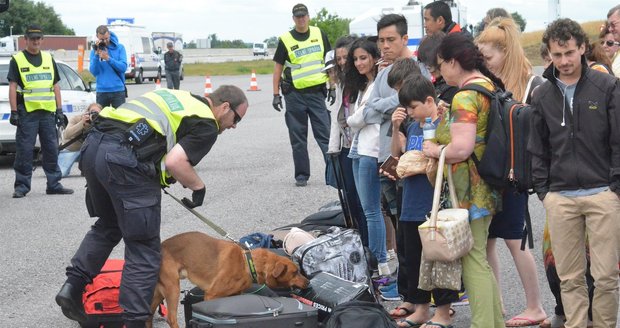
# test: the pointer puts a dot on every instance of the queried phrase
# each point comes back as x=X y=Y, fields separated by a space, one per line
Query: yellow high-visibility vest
x=38 y=90
x=306 y=59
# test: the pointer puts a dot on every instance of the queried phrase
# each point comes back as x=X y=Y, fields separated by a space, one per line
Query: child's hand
x=399 y=115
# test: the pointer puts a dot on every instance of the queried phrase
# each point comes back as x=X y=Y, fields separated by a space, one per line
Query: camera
x=92 y=115
x=99 y=45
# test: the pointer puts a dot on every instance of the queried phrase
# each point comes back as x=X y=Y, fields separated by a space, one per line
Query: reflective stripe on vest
x=306 y=59
x=164 y=110
x=38 y=90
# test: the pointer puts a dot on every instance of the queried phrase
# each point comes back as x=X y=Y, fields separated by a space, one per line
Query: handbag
x=443 y=275
x=446 y=236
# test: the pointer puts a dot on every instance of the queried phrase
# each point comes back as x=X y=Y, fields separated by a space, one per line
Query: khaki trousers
x=570 y=220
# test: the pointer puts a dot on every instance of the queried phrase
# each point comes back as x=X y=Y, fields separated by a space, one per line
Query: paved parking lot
x=250 y=187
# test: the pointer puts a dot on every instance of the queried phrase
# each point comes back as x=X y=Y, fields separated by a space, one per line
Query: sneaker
x=301 y=183
x=18 y=194
x=384 y=269
x=390 y=292
x=391 y=255
x=59 y=191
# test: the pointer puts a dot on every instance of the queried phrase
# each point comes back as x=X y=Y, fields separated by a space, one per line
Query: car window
x=71 y=77
x=4 y=70
x=64 y=82
x=146 y=45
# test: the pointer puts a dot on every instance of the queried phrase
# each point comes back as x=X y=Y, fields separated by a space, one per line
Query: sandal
x=400 y=312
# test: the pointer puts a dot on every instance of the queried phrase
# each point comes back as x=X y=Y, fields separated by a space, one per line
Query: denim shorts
x=509 y=223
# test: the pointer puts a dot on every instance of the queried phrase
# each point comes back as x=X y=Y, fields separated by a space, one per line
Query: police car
x=76 y=96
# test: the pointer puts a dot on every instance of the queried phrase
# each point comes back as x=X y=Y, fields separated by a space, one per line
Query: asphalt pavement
x=250 y=188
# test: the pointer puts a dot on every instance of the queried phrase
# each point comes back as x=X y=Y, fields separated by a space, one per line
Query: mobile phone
x=389 y=166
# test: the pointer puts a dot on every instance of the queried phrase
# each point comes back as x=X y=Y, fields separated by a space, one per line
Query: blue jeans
x=114 y=99
x=66 y=160
x=31 y=124
x=366 y=175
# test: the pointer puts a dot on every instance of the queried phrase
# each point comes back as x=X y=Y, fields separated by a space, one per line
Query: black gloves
x=198 y=196
x=14 y=119
x=60 y=118
x=331 y=96
x=277 y=102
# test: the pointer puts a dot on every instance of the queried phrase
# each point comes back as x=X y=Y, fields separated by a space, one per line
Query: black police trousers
x=125 y=194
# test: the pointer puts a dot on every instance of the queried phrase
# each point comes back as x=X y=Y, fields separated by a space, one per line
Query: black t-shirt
x=281 y=55
x=195 y=134
x=34 y=60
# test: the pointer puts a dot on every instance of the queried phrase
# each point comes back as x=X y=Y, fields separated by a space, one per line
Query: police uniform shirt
x=195 y=134
x=34 y=60
x=281 y=55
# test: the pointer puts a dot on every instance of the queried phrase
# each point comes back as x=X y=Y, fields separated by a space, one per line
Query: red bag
x=100 y=298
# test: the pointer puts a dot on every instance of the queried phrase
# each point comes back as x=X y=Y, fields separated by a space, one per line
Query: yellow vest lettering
x=306 y=59
x=38 y=90
x=163 y=110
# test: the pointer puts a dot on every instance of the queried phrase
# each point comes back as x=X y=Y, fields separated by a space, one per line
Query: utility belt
x=288 y=87
x=148 y=144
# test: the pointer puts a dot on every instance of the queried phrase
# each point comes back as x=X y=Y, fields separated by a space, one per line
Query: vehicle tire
x=158 y=77
x=139 y=79
x=182 y=75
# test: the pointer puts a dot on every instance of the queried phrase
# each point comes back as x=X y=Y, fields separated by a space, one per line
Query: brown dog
x=218 y=267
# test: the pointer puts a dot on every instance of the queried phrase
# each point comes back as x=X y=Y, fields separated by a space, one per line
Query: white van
x=142 y=56
x=260 y=49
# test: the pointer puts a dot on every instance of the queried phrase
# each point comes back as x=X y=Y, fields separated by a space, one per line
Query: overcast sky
x=252 y=20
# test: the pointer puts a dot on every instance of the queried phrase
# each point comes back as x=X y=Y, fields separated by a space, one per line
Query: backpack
x=506 y=161
x=360 y=314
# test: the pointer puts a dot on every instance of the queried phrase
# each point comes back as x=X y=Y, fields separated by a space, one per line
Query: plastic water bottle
x=429 y=129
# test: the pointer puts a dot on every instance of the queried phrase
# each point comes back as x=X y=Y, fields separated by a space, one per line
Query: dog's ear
x=278 y=270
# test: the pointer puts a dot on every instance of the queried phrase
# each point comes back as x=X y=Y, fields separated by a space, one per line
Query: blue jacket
x=110 y=74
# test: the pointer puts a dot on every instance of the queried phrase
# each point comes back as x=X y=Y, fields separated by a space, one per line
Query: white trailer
x=366 y=24
x=162 y=38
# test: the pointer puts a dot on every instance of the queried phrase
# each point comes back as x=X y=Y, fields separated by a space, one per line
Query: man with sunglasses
x=36 y=109
x=131 y=153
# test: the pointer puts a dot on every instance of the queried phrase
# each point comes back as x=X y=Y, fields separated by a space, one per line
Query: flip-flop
x=410 y=324
x=400 y=308
x=437 y=324
x=522 y=322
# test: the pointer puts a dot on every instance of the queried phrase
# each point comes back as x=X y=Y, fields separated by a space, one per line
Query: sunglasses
x=610 y=43
x=237 y=117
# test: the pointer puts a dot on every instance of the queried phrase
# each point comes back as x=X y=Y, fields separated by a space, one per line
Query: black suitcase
x=253 y=311
x=326 y=291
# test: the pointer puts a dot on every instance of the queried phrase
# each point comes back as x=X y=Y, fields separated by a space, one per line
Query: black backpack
x=506 y=161
x=360 y=314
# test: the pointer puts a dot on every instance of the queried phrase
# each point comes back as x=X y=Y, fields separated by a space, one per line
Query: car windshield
x=4 y=70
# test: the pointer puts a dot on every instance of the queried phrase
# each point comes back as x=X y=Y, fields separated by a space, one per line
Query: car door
x=75 y=95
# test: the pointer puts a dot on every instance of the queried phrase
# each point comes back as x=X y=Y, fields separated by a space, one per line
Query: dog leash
x=223 y=233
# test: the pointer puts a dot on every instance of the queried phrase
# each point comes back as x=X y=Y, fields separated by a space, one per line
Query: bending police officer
x=129 y=155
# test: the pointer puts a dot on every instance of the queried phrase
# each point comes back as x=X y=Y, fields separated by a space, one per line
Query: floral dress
x=473 y=193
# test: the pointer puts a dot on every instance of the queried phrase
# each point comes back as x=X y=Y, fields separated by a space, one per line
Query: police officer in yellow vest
x=36 y=109
x=298 y=63
x=129 y=155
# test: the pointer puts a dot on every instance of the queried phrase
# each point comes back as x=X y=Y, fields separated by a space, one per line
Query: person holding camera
x=36 y=109
x=108 y=62
x=172 y=60
x=74 y=135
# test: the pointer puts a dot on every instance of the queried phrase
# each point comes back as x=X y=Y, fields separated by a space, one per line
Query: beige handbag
x=446 y=235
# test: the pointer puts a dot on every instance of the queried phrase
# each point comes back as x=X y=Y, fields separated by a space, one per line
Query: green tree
x=272 y=42
x=22 y=13
x=519 y=20
x=333 y=25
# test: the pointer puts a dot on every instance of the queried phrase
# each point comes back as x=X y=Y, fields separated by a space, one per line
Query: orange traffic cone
x=208 y=87
x=253 y=83
x=157 y=84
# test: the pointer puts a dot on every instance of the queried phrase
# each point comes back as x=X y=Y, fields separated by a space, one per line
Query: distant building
x=203 y=43
x=56 y=42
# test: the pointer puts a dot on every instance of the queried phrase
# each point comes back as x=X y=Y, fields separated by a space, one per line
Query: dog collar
x=248 y=259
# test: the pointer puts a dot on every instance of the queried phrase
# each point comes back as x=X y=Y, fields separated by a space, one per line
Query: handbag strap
x=438 y=187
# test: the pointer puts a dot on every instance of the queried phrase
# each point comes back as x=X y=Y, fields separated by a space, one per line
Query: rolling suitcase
x=253 y=311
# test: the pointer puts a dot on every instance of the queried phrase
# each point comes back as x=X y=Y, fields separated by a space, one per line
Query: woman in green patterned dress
x=461 y=132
